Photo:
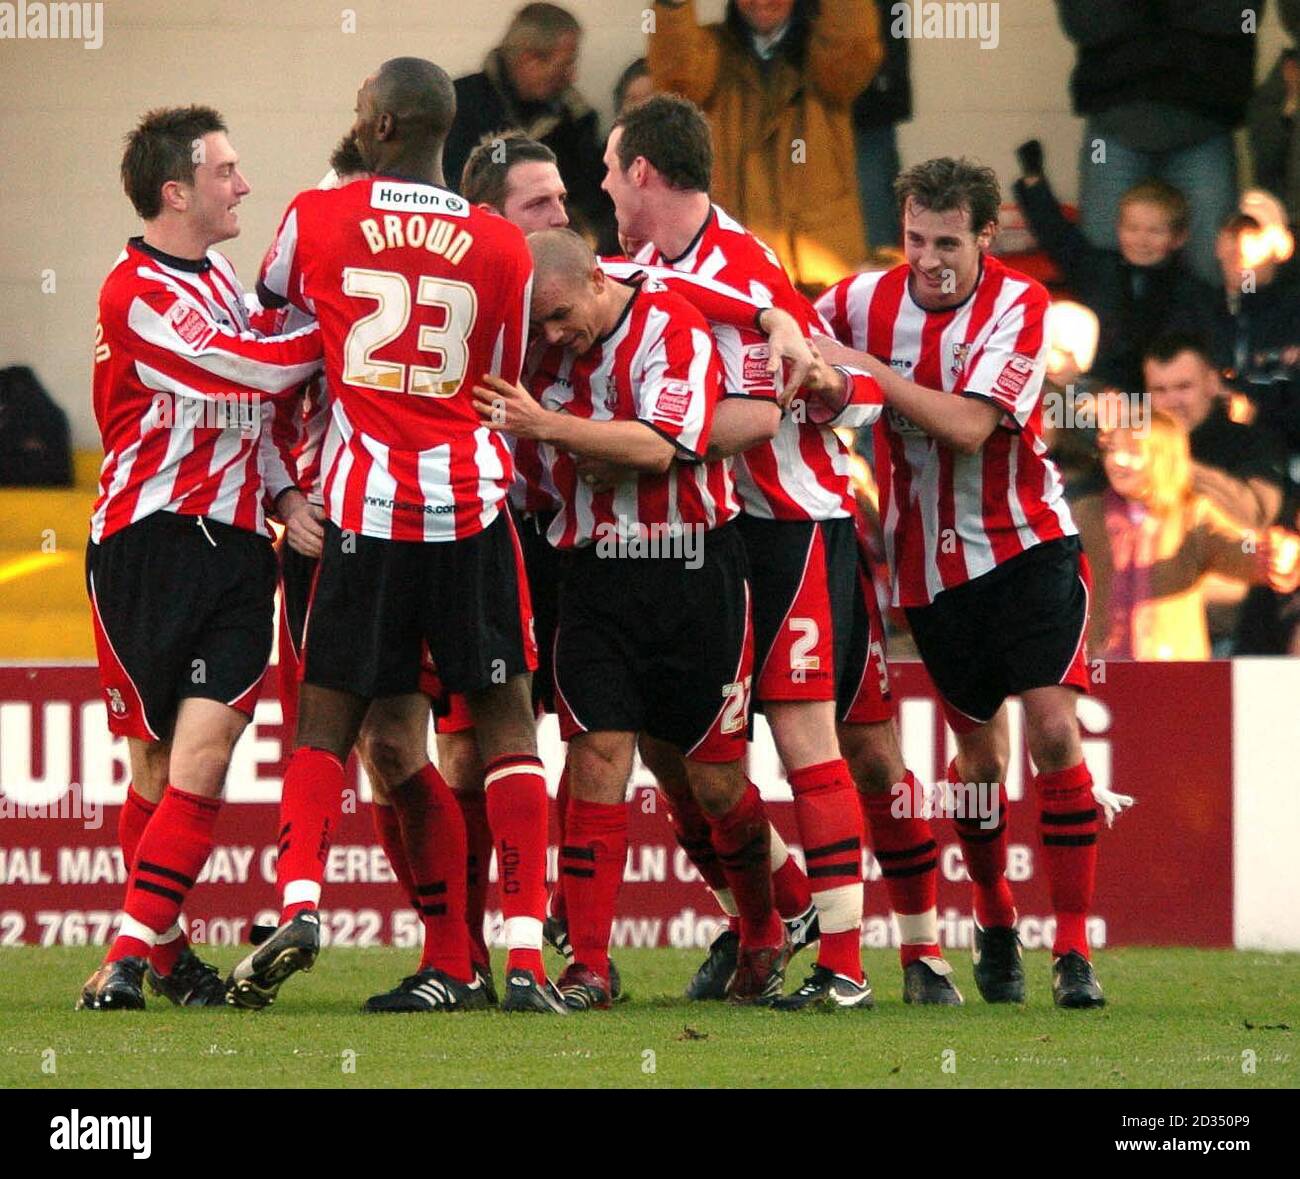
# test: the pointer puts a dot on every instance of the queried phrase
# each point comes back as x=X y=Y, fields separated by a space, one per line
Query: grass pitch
x=1177 y=1018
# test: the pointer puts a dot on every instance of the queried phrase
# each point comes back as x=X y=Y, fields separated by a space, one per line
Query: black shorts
x=805 y=579
x=182 y=606
x=378 y=603
x=296 y=576
x=1019 y=626
x=653 y=646
x=545 y=565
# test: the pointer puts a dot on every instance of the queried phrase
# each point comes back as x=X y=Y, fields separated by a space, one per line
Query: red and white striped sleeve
x=717 y=303
x=678 y=387
x=1007 y=368
x=206 y=360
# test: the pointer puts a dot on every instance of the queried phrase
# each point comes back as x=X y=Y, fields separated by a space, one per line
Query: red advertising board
x=1161 y=732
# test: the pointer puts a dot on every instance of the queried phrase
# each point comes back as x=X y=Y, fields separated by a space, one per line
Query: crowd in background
x=1174 y=369
x=1193 y=341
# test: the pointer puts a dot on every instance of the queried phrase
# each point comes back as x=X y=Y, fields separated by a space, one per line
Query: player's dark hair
x=1165 y=347
x=163 y=147
x=485 y=178
x=672 y=134
x=945 y=183
x=346 y=158
x=535 y=28
x=638 y=69
x=420 y=98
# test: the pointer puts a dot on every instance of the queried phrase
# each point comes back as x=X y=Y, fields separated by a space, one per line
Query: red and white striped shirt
x=185 y=391
x=949 y=517
x=419 y=294
x=657 y=366
x=719 y=304
x=299 y=425
x=802 y=473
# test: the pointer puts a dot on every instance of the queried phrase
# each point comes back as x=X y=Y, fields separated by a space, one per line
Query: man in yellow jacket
x=776 y=79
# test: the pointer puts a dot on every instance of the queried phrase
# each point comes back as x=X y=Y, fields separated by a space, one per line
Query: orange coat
x=784 y=157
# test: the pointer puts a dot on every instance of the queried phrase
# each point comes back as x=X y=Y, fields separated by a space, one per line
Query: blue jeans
x=877 y=152
x=1206 y=174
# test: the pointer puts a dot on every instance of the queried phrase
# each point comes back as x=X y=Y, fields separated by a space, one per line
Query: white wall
x=285 y=76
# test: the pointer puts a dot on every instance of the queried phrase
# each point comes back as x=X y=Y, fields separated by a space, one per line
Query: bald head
x=560 y=256
x=416 y=92
x=575 y=303
x=404 y=112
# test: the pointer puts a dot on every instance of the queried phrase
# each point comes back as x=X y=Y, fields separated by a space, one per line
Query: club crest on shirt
x=960 y=355
x=187 y=323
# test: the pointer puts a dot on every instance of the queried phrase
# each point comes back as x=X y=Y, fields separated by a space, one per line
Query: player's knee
x=459 y=762
x=717 y=787
x=385 y=754
x=983 y=766
x=201 y=769
x=1054 y=742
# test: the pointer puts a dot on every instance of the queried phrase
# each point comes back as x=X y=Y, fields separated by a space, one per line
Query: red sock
x=592 y=857
x=478 y=860
x=557 y=907
x=164 y=955
x=389 y=829
x=131 y=822
x=311 y=804
x=908 y=855
x=742 y=841
x=791 y=892
x=830 y=827
x=694 y=835
x=171 y=853
x=984 y=850
x=1068 y=822
x=516 y=807
x=433 y=835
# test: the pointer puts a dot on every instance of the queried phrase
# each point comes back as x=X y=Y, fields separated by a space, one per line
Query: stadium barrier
x=1207 y=857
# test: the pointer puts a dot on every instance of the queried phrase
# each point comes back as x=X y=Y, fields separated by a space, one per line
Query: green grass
x=1177 y=1018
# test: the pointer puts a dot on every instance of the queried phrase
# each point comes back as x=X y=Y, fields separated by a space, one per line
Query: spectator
x=877 y=111
x=1274 y=121
x=1237 y=466
x=1161 y=85
x=1140 y=291
x=634 y=85
x=526 y=84
x=1150 y=539
x=776 y=79
x=1256 y=325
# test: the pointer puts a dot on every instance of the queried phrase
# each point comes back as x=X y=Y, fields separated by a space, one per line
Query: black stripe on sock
x=578 y=853
x=434 y=910
x=911 y=870
x=920 y=849
x=585 y=873
x=284 y=830
x=1068 y=818
x=981 y=836
x=431 y=890
x=167 y=873
x=170 y=893
x=852 y=868
x=1069 y=840
x=830 y=849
